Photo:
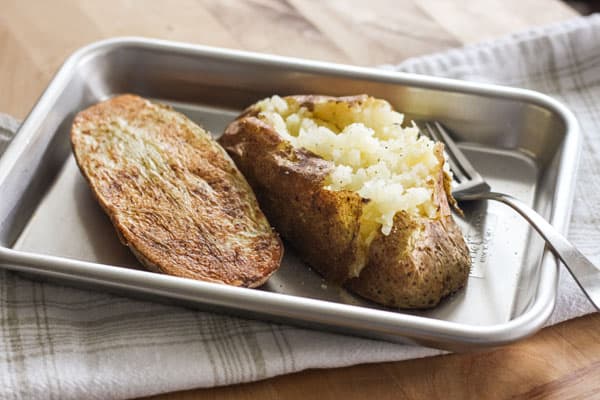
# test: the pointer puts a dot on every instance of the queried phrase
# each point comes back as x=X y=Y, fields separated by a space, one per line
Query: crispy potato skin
x=418 y=263
x=174 y=196
x=415 y=266
x=321 y=224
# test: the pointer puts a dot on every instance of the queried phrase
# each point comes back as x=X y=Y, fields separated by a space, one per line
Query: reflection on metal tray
x=523 y=143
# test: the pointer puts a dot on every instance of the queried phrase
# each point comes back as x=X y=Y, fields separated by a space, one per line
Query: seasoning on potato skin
x=175 y=197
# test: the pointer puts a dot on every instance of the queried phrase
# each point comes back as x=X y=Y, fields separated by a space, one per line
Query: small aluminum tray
x=523 y=142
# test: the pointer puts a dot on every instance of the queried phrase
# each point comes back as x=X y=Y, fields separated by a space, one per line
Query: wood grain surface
x=561 y=362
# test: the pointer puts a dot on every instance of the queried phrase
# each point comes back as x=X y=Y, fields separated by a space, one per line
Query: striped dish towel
x=62 y=343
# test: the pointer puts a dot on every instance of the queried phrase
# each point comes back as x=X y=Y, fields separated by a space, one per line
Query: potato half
x=364 y=200
x=173 y=195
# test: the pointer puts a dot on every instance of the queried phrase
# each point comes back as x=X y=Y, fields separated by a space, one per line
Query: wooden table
x=559 y=362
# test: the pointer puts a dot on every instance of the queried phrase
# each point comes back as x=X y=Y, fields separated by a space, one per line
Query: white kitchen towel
x=62 y=343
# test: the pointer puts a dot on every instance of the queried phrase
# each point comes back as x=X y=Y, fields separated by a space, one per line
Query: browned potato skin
x=240 y=249
x=402 y=270
x=416 y=272
x=288 y=183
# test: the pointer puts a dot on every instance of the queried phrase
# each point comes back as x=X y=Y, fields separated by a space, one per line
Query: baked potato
x=364 y=200
x=174 y=196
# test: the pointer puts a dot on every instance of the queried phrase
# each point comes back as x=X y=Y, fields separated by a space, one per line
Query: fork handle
x=586 y=274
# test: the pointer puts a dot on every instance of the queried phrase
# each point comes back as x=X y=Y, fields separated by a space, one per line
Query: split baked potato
x=364 y=200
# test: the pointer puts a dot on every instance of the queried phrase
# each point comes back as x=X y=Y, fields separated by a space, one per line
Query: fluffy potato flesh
x=391 y=166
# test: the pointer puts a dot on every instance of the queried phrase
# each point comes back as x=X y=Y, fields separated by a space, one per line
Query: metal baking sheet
x=523 y=142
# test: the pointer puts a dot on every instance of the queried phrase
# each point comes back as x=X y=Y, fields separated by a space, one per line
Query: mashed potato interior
x=391 y=166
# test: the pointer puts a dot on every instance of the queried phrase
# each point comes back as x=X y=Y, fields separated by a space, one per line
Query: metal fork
x=471 y=186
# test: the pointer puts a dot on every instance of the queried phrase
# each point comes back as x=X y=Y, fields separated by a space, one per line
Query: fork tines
x=464 y=173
